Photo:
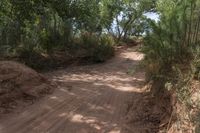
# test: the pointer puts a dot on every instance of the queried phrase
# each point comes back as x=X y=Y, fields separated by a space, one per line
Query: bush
x=104 y=49
x=97 y=48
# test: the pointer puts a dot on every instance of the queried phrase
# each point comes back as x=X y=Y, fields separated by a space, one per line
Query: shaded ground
x=89 y=99
x=20 y=84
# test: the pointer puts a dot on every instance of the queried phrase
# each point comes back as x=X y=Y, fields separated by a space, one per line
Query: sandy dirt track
x=89 y=99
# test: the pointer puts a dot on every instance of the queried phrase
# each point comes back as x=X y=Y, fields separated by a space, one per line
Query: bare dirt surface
x=20 y=84
x=89 y=99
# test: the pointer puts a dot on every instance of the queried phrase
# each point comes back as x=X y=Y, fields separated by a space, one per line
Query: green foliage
x=47 y=24
x=132 y=21
x=104 y=50
x=98 y=48
x=172 y=49
x=33 y=27
x=173 y=41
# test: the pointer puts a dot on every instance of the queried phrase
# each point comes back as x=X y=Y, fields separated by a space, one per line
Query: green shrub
x=104 y=49
x=97 y=48
x=171 y=47
x=89 y=43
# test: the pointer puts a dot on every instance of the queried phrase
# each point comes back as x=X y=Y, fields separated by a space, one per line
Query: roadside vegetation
x=172 y=58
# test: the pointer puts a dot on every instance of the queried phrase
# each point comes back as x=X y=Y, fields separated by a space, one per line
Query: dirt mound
x=18 y=82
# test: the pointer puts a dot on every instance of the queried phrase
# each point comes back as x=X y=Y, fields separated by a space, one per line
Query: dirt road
x=89 y=99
